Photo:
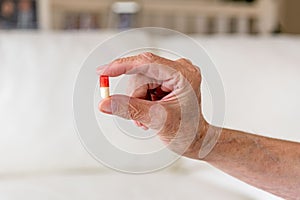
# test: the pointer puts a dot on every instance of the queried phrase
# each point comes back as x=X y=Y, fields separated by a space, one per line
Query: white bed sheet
x=114 y=186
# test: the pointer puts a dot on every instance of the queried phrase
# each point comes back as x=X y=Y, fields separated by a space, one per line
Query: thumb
x=150 y=113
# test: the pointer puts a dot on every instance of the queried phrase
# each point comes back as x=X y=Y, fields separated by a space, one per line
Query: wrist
x=195 y=147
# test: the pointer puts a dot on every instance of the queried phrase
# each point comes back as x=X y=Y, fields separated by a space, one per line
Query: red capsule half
x=104 y=81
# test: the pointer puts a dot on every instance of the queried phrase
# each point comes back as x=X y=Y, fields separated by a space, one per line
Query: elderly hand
x=164 y=96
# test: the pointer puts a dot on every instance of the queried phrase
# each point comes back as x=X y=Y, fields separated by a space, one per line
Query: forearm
x=270 y=164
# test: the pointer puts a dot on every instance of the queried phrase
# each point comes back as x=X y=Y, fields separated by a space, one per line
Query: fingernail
x=105 y=106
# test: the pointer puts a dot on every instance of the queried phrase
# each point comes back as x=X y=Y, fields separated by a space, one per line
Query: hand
x=164 y=96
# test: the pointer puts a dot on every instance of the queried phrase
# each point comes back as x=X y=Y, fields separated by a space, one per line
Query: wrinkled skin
x=164 y=95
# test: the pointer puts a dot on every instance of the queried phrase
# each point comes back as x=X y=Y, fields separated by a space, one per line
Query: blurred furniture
x=212 y=17
x=53 y=13
x=124 y=15
x=289 y=16
x=188 y=16
x=18 y=14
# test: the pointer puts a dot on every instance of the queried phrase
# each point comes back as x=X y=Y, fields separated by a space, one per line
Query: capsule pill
x=104 y=86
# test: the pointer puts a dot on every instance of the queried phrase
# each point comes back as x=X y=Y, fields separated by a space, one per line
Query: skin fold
x=164 y=95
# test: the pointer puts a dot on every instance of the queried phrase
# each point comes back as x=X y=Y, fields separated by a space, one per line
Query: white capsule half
x=104 y=92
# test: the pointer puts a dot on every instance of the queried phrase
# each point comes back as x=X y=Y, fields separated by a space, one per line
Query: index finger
x=147 y=64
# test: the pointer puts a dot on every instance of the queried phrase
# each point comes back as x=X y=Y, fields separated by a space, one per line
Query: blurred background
x=255 y=45
x=191 y=16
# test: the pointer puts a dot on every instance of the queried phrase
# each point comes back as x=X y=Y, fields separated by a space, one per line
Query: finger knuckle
x=135 y=111
x=124 y=59
x=120 y=60
x=198 y=74
x=195 y=72
x=148 y=56
x=185 y=60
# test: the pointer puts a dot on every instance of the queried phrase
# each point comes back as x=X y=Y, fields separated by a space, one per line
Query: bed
x=42 y=157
